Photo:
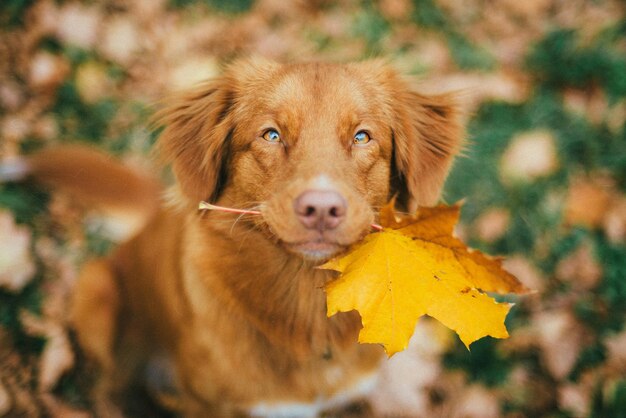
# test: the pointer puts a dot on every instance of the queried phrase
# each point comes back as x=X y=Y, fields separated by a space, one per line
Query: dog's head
x=317 y=147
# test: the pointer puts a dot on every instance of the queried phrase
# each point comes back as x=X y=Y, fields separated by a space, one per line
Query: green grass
x=483 y=363
x=371 y=26
x=613 y=406
x=468 y=56
x=12 y=12
x=561 y=60
x=224 y=6
x=29 y=299
x=26 y=203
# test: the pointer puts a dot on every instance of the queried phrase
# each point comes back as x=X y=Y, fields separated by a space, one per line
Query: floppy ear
x=198 y=125
x=427 y=135
x=194 y=141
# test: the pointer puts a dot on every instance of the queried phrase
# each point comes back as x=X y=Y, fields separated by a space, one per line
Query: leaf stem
x=210 y=206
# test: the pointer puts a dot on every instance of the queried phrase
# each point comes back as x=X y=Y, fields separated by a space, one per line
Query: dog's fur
x=236 y=302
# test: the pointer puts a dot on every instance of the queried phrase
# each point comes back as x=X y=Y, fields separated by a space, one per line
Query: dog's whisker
x=243 y=240
x=237 y=219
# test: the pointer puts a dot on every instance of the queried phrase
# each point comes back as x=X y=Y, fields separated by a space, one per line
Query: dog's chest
x=359 y=390
x=273 y=356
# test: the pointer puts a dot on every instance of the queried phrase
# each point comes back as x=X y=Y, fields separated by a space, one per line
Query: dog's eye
x=271 y=135
x=361 y=138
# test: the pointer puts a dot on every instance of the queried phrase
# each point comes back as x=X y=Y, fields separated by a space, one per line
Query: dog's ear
x=195 y=137
x=427 y=135
x=197 y=126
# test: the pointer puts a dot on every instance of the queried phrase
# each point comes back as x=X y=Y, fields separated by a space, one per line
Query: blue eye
x=271 y=135
x=361 y=138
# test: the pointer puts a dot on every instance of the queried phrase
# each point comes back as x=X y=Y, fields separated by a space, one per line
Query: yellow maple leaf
x=415 y=267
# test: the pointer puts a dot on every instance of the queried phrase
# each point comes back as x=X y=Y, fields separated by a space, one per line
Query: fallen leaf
x=529 y=156
x=6 y=403
x=401 y=389
x=92 y=82
x=493 y=224
x=594 y=201
x=560 y=337
x=147 y=9
x=527 y=273
x=530 y=9
x=14 y=128
x=614 y=223
x=436 y=49
x=477 y=402
x=57 y=357
x=47 y=71
x=574 y=398
x=191 y=71
x=121 y=40
x=396 y=9
x=588 y=200
x=478 y=88
x=580 y=268
x=11 y=95
x=416 y=267
x=616 y=117
x=616 y=352
x=46 y=128
x=590 y=103
x=16 y=372
x=78 y=25
x=16 y=265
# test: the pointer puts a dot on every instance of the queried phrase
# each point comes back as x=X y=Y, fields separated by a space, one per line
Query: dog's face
x=317 y=147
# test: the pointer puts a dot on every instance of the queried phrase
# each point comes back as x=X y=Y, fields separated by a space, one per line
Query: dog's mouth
x=316 y=250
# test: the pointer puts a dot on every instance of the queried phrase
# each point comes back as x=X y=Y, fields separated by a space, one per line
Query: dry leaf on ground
x=588 y=200
x=560 y=337
x=493 y=224
x=57 y=357
x=6 y=403
x=527 y=273
x=477 y=402
x=614 y=223
x=616 y=353
x=580 y=268
x=574 y=398
x=528 y=157
x=47 y=71
x=16 y=264
x=402 y=388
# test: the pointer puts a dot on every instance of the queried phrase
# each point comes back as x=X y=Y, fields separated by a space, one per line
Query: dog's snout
x=320 y=209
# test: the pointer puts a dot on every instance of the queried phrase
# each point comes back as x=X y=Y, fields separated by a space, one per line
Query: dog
x=235 y=303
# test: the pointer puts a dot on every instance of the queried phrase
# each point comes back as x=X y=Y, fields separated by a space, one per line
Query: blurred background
x=543 y=83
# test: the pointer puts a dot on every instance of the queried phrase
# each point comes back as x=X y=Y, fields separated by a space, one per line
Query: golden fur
x=236 y=301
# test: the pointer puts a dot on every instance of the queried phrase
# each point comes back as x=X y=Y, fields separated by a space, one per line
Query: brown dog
x=235 y=302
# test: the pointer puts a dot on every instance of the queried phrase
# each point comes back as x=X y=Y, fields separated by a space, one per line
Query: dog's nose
x=320 y=209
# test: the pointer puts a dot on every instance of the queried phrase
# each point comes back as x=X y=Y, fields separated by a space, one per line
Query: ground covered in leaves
x=544 y=177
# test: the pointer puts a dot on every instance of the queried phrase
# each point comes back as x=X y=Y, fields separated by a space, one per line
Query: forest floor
x=543 y=84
